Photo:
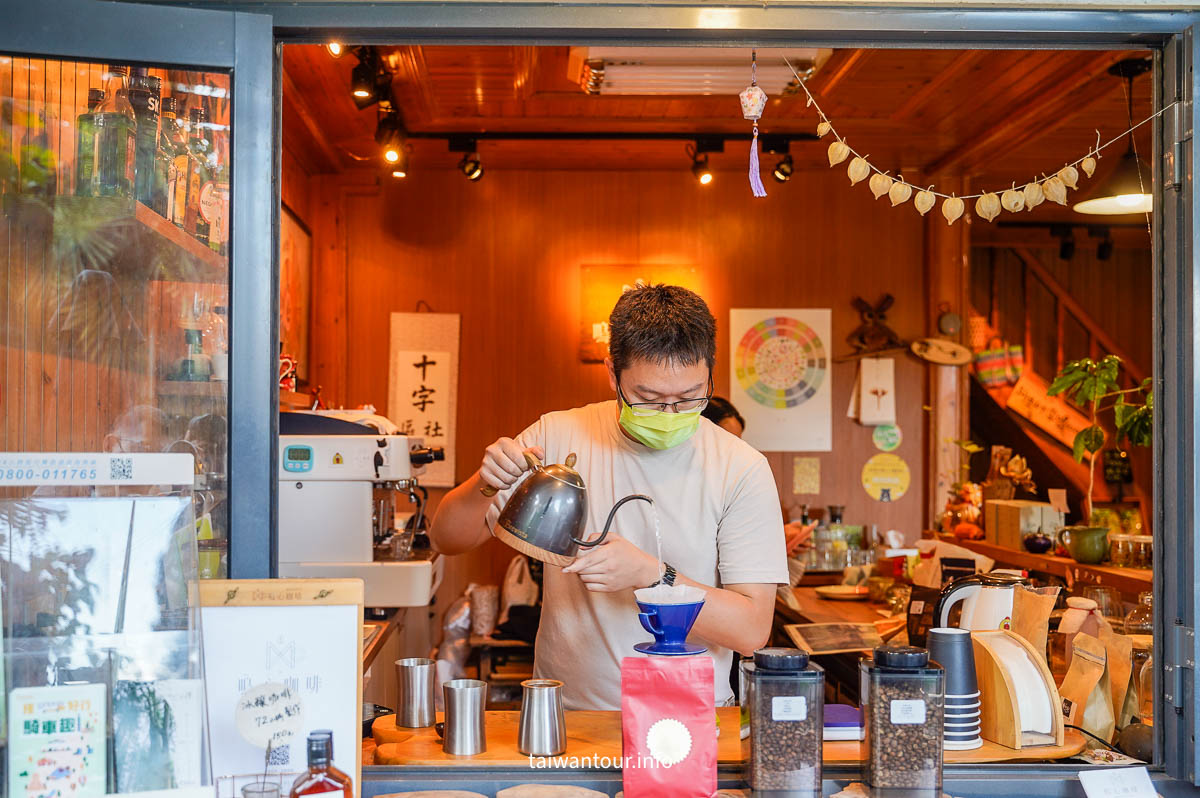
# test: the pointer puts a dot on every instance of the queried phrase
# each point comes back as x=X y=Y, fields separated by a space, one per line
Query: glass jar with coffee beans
x=903 y=704
x=786 y=699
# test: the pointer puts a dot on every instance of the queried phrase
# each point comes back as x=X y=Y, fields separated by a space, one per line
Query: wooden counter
x=375 y=634
x=814 y=609
x=596 y=737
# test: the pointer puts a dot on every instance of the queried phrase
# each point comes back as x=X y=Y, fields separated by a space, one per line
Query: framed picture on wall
x=295 y=288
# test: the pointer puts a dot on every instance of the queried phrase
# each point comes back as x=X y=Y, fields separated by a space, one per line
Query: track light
x=335 y=49
x=700 y=169
x=362 y=80
x=471 y=167
x=389 y=134
x=1104 y=249
x=370 y=82
x=399 y=167
x=783 y=169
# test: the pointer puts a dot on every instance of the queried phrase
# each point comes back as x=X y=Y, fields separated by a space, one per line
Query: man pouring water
x=717 y=508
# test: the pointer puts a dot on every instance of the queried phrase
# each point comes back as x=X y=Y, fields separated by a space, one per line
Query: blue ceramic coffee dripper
x=670 y=624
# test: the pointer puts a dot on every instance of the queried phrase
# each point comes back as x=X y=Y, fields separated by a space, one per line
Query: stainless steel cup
x=415 y=676
x=542 y=730
x=466 y=700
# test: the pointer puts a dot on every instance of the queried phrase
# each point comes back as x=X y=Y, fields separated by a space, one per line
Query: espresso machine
x=341 y=479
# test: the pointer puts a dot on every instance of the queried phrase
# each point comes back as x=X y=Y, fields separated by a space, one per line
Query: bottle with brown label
x=172 y=162
x=322 y=777
x=199 y=173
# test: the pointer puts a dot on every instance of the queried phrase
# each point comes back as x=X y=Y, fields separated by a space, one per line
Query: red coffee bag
x=668 y=725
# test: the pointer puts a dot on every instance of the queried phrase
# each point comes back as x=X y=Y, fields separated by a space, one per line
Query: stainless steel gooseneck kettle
x=546 y=514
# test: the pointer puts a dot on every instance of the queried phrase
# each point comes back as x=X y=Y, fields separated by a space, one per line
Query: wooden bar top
x=594 y=741
x=814 y=609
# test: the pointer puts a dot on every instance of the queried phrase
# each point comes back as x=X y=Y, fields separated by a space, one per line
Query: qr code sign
x=279 y=756
x=120 y=468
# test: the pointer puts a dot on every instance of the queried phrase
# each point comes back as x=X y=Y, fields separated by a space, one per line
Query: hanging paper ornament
x=988 y=206
x=1070 y=176
x=925 y=201
x=823 y=127
x=1055 y=190
x=1088 y=165
x=858 y=170
x=952 y=208
x=1033 y=195
x=880 y=184
x=838 y=151
x=1012 y=200
x=899 y=192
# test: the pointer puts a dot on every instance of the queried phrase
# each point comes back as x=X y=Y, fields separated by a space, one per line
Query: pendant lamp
x=1128 y=188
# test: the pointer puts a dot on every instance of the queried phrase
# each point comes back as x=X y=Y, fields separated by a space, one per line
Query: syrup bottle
x=322 y=777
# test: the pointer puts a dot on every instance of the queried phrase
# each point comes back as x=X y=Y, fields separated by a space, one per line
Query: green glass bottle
x=85 y=145
x=199 y=173
x=116 y=145
x=144 y=93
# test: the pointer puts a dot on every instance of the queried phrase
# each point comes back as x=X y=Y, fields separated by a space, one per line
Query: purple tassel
x=756 y=183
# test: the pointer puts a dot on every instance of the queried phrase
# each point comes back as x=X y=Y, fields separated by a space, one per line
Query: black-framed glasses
x=682 y=406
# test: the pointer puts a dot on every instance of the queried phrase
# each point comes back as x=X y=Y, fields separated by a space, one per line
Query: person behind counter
x=715 y=497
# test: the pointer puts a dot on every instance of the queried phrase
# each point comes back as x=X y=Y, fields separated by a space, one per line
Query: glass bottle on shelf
x=38 y=166
x=116 y=130
x=216 y=342
x=85 y=145
x=1140 y=620
x=171 y=160
x=144 y=93
x=322 y=777
x=199 y=174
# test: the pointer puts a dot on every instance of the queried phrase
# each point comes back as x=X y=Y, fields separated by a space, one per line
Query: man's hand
x=504 y=463
x=797 y=534
x=616 y=564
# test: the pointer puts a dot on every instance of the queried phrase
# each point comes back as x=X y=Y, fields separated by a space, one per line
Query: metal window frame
x=240 y=44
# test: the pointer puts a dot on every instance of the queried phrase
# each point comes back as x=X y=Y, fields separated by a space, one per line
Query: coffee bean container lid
x=781 y=659
x=901 y=657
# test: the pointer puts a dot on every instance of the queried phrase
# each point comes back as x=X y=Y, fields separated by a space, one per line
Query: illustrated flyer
x=56 y=741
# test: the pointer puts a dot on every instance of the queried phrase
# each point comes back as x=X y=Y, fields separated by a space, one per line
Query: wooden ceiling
x=994 y=116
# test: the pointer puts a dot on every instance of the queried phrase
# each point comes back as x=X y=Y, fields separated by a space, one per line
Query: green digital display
x=297 y=453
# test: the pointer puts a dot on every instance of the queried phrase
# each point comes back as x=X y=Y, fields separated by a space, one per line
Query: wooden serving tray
x=597 y=734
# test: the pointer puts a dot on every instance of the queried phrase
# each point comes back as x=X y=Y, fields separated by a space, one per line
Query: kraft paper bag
x=1086 y=693
x=1031 y=614
x=1119 y=662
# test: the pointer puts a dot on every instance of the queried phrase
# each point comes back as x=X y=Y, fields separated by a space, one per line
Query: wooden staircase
x=992 y=423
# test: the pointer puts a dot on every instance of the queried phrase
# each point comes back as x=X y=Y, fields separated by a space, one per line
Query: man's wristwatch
x=668 y=577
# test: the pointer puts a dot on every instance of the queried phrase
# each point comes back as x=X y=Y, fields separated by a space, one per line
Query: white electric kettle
x=987 y=601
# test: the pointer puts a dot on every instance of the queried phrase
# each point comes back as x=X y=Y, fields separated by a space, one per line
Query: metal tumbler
x=542 y=730
x=466 y=700
x=415 y=676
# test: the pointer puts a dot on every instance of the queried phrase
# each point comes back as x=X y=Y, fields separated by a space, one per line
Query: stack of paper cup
x=952 y=649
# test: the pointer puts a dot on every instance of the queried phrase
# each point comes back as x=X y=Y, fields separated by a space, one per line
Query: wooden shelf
x=201 y=253
x=1128 y=580
x=212 y=389
x=293 y=400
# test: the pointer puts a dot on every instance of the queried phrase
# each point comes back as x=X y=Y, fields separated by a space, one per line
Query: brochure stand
x=102 y=669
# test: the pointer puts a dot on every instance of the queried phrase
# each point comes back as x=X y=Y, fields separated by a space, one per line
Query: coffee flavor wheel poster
x=780 y=378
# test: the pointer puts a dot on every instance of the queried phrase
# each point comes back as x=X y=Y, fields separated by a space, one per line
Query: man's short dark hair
x=661 y=324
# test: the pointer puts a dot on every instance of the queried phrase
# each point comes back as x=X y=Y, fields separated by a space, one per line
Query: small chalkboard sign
x=921 y=605
x=1118 y=467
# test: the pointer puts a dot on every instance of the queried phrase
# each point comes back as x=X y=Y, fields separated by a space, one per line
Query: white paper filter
x=669 y=594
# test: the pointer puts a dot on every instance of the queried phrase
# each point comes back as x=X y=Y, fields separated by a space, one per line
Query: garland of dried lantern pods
x=987 y=204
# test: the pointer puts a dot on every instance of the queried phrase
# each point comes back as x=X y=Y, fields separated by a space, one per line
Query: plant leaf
x=1066 y=379
x=1089 y=440
x=1121 y=412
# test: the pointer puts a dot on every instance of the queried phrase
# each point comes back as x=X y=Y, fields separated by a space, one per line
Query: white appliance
x=616 y=70
x=337 y=496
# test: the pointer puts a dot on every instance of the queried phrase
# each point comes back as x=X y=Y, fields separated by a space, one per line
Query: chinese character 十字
x=424 y=364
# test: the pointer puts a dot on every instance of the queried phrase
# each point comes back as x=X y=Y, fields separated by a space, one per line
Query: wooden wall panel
x=506 y=254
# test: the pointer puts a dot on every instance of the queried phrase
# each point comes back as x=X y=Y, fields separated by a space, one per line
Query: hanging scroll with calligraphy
x=423 y=385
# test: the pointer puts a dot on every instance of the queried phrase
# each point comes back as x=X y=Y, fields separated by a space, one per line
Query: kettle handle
x=530 y=460
x=590 y=543
x=941 y=612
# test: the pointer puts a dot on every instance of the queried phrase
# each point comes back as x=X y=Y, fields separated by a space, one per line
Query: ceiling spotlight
x=700 y=169
x=399 y=173
x=362 y=80
x=399 y=167
x=471 y=167
x=389 y=134
x=335 y=49
x=1066 y=249
x=1104 y=249
x=783 y=169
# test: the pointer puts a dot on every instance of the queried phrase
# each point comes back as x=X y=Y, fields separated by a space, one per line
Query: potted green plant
x=1094 y=386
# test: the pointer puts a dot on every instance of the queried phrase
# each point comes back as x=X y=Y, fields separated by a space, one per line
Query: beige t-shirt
x=720 y=524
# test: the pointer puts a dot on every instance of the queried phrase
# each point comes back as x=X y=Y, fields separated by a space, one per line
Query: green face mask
x=660 y=429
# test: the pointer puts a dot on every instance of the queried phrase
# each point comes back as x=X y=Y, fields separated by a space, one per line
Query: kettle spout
x=590 y=543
